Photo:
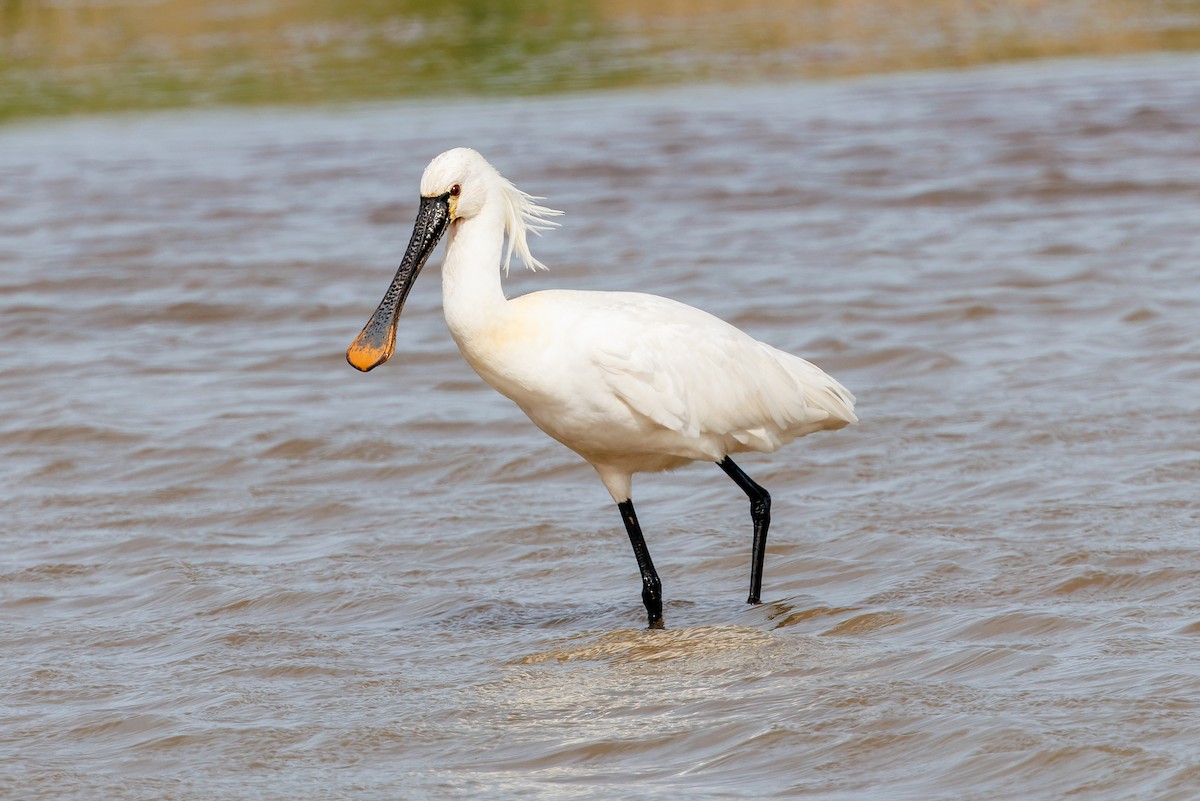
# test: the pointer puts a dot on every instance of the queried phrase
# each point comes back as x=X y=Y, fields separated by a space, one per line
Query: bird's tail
x=821 y=390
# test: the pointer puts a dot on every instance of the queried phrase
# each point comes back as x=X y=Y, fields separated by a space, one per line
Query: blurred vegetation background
x=68 y=56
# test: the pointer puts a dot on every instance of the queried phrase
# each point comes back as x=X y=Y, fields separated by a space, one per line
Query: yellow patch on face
x=453 y=205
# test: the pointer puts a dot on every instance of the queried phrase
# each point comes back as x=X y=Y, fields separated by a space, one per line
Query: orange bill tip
x=364 y=354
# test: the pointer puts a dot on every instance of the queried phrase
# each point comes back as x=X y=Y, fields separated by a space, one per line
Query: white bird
x=631 y=382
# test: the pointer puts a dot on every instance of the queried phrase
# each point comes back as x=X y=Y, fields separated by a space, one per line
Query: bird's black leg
x=651 y=586
x=760 y=513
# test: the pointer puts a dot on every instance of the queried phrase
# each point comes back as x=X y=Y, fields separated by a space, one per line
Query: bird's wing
x=695 y=374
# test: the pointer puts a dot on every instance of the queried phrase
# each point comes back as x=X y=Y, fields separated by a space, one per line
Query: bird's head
x=454 y=171
x=458 y=185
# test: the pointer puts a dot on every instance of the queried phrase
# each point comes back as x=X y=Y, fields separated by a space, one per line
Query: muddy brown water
x=235 y=568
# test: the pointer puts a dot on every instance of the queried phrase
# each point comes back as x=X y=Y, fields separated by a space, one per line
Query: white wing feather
x=697 y=375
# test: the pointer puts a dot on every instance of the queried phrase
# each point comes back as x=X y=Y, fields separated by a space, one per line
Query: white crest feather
x=522 y=214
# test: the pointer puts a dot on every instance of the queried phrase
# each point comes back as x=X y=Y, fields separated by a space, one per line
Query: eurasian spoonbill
x=631 y=382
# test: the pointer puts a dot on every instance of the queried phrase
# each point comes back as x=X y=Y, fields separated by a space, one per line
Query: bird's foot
x=652 y=600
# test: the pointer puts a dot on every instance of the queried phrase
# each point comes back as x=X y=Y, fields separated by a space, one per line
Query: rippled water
x=235 y=568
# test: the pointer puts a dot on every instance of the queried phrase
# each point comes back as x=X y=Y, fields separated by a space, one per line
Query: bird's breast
x=508 y=351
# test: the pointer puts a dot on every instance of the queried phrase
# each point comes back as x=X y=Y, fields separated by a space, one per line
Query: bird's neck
x=472 y=296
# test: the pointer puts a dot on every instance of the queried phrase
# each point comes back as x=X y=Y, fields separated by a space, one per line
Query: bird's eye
x=455 y=190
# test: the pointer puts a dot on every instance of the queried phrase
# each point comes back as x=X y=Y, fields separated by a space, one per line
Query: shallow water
x=235 y=568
